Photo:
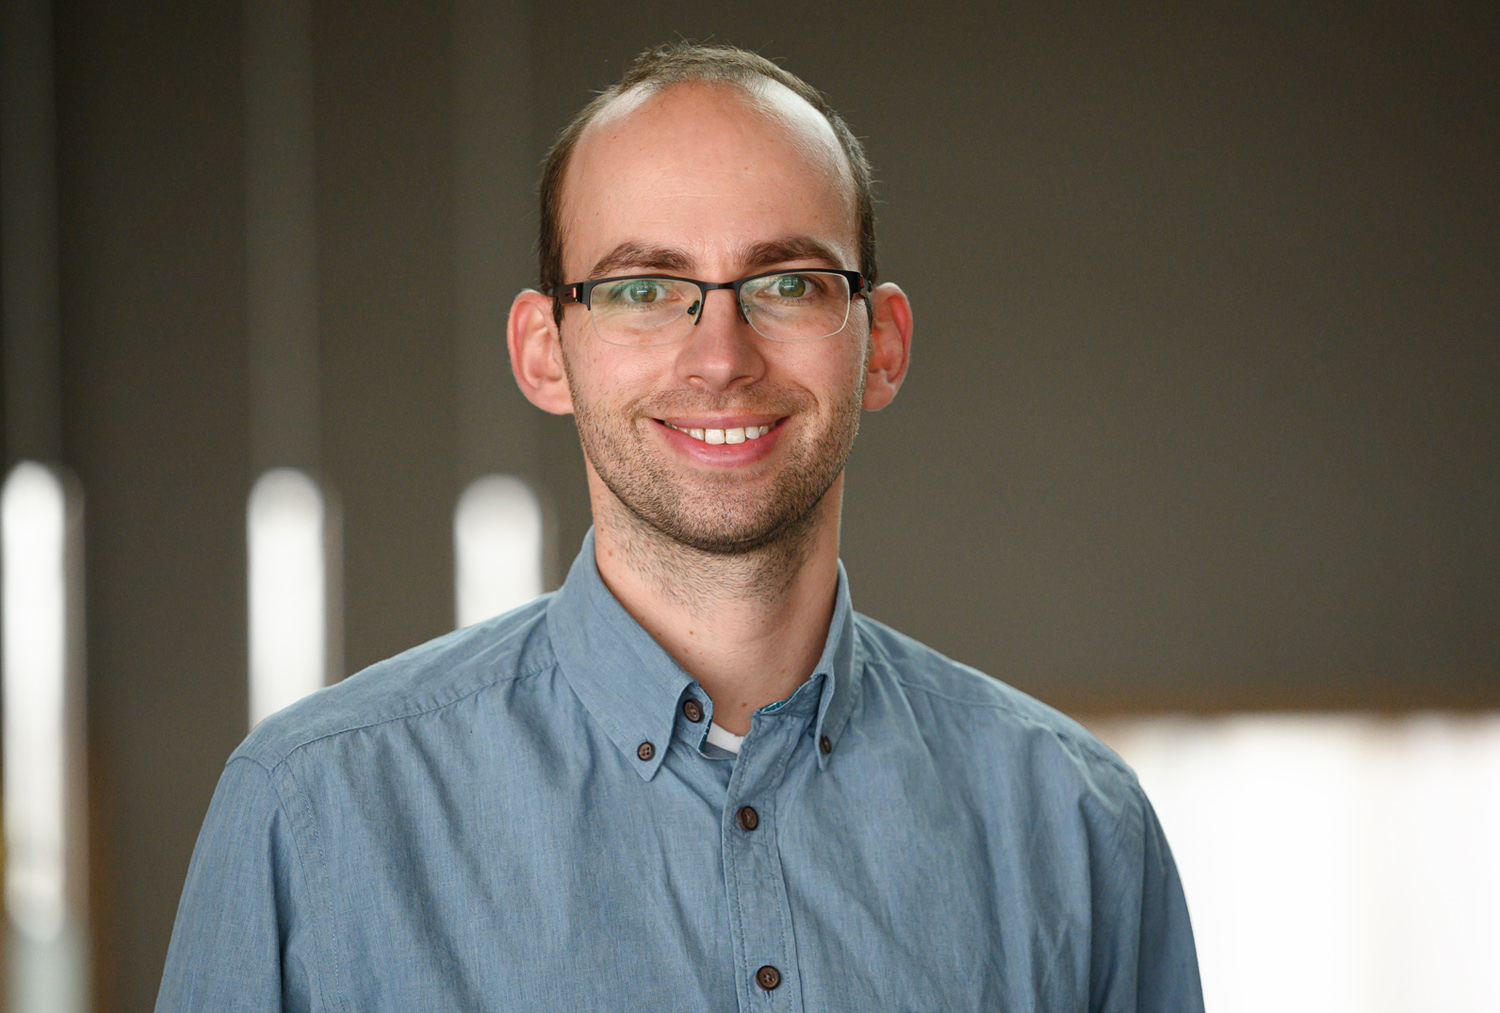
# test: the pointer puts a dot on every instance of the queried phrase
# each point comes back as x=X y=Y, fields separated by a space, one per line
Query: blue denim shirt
x=523 y=815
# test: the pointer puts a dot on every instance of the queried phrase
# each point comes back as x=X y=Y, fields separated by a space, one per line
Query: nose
x=721 y=352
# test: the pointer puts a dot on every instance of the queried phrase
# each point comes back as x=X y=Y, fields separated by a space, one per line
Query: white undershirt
x=725 y=739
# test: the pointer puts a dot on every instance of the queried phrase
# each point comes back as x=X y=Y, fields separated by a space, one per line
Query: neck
x=750 y=626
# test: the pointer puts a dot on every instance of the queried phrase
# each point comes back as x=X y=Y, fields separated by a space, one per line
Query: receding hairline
x=765 y=94
x=686 y=62
x=814 y=136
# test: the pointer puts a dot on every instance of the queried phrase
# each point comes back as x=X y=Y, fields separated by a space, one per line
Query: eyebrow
x=779 y=251
x=638 y=256
x=633 y=256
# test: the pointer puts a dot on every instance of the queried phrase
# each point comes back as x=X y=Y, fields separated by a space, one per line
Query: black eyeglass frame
x=582 y=291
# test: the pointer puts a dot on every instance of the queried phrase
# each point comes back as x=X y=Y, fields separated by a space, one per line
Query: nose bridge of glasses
x=697 y=310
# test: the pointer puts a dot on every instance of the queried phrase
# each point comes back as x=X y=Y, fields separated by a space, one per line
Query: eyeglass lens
x=796 y=306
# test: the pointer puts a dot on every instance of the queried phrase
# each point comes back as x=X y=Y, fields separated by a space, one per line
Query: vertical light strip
x=288 y=591
x=1333 y=863
x=497 y=547
x=48 y=967
x=46 y=877
x=35 y=614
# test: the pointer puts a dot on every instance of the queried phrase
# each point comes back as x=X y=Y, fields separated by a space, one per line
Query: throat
x=749 y=627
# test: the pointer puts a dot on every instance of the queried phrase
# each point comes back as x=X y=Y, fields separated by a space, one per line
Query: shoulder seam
x=1005 y=707
x=440 y=705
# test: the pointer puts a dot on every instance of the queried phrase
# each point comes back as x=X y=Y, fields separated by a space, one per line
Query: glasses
x=650 y=309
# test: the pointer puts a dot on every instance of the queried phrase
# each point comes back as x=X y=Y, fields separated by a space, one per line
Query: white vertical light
x=288 y=591
x=497 y=543
x=34 y=513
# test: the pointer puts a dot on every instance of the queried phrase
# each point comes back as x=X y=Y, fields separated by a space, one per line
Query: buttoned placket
x=644 y=702
x=760 y=913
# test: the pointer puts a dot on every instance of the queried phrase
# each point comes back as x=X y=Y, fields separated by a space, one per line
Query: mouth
x=726 y=435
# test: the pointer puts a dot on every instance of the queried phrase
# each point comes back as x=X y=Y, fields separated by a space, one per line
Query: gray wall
x=1205 y=404
x=1203 y=412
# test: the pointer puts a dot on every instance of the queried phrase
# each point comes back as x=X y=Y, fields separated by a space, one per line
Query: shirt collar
x=633 y=688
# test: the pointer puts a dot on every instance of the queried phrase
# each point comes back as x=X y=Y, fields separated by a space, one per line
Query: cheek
x=831 y=371
x=606 y=373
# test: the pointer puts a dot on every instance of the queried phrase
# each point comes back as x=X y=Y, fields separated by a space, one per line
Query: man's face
x=703 y=181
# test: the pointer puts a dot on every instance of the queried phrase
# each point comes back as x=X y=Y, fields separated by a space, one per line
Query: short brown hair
x=677 y=63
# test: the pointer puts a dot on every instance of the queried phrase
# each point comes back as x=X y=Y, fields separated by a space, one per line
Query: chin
x=724 y=542
x=733 y=533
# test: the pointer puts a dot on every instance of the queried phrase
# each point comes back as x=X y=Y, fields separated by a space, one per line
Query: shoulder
x=995 y=731
x=430 y=677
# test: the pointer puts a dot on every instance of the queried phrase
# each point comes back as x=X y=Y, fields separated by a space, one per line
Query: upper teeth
x=738 y=435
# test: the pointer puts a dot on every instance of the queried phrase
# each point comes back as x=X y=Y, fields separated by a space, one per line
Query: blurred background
x=1201 y=442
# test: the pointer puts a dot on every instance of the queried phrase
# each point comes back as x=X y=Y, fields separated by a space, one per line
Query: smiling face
x=711 y=182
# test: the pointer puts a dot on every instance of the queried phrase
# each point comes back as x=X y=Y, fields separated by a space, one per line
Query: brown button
x=645 y=751
x=768 y=977
x=692 y=710
x=826 y=745
x=750 y=819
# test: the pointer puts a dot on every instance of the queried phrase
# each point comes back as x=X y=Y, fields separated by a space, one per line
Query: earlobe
x=536 y=353
x=890 y=345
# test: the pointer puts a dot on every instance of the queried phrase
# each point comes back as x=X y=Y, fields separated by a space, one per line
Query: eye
x=790 y=286
x=636 y=294
x=641 y=290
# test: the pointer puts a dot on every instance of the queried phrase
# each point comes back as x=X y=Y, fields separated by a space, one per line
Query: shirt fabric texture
x=521 y=815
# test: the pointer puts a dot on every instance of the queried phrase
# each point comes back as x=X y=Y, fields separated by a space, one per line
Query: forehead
x=709 y=170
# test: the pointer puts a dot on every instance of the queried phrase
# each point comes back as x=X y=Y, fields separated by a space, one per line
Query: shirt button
x=692 y=710
x=826 y=745
x=645 y=751
x=750 y=819
x=768 y=977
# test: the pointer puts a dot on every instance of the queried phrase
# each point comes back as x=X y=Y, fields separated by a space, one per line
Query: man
x=693 y=778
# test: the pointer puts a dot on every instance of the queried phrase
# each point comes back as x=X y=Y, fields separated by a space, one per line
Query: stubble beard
x=719 y=516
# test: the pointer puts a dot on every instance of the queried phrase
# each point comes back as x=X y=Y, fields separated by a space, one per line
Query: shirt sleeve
x=1145 y=960
x=240 y=942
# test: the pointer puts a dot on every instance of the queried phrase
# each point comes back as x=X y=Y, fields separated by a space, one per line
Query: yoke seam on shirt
x=517 y=677
x=1006 y=708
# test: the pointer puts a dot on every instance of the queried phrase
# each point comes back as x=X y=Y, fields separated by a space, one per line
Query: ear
x=890 y=345
x=536 y=353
